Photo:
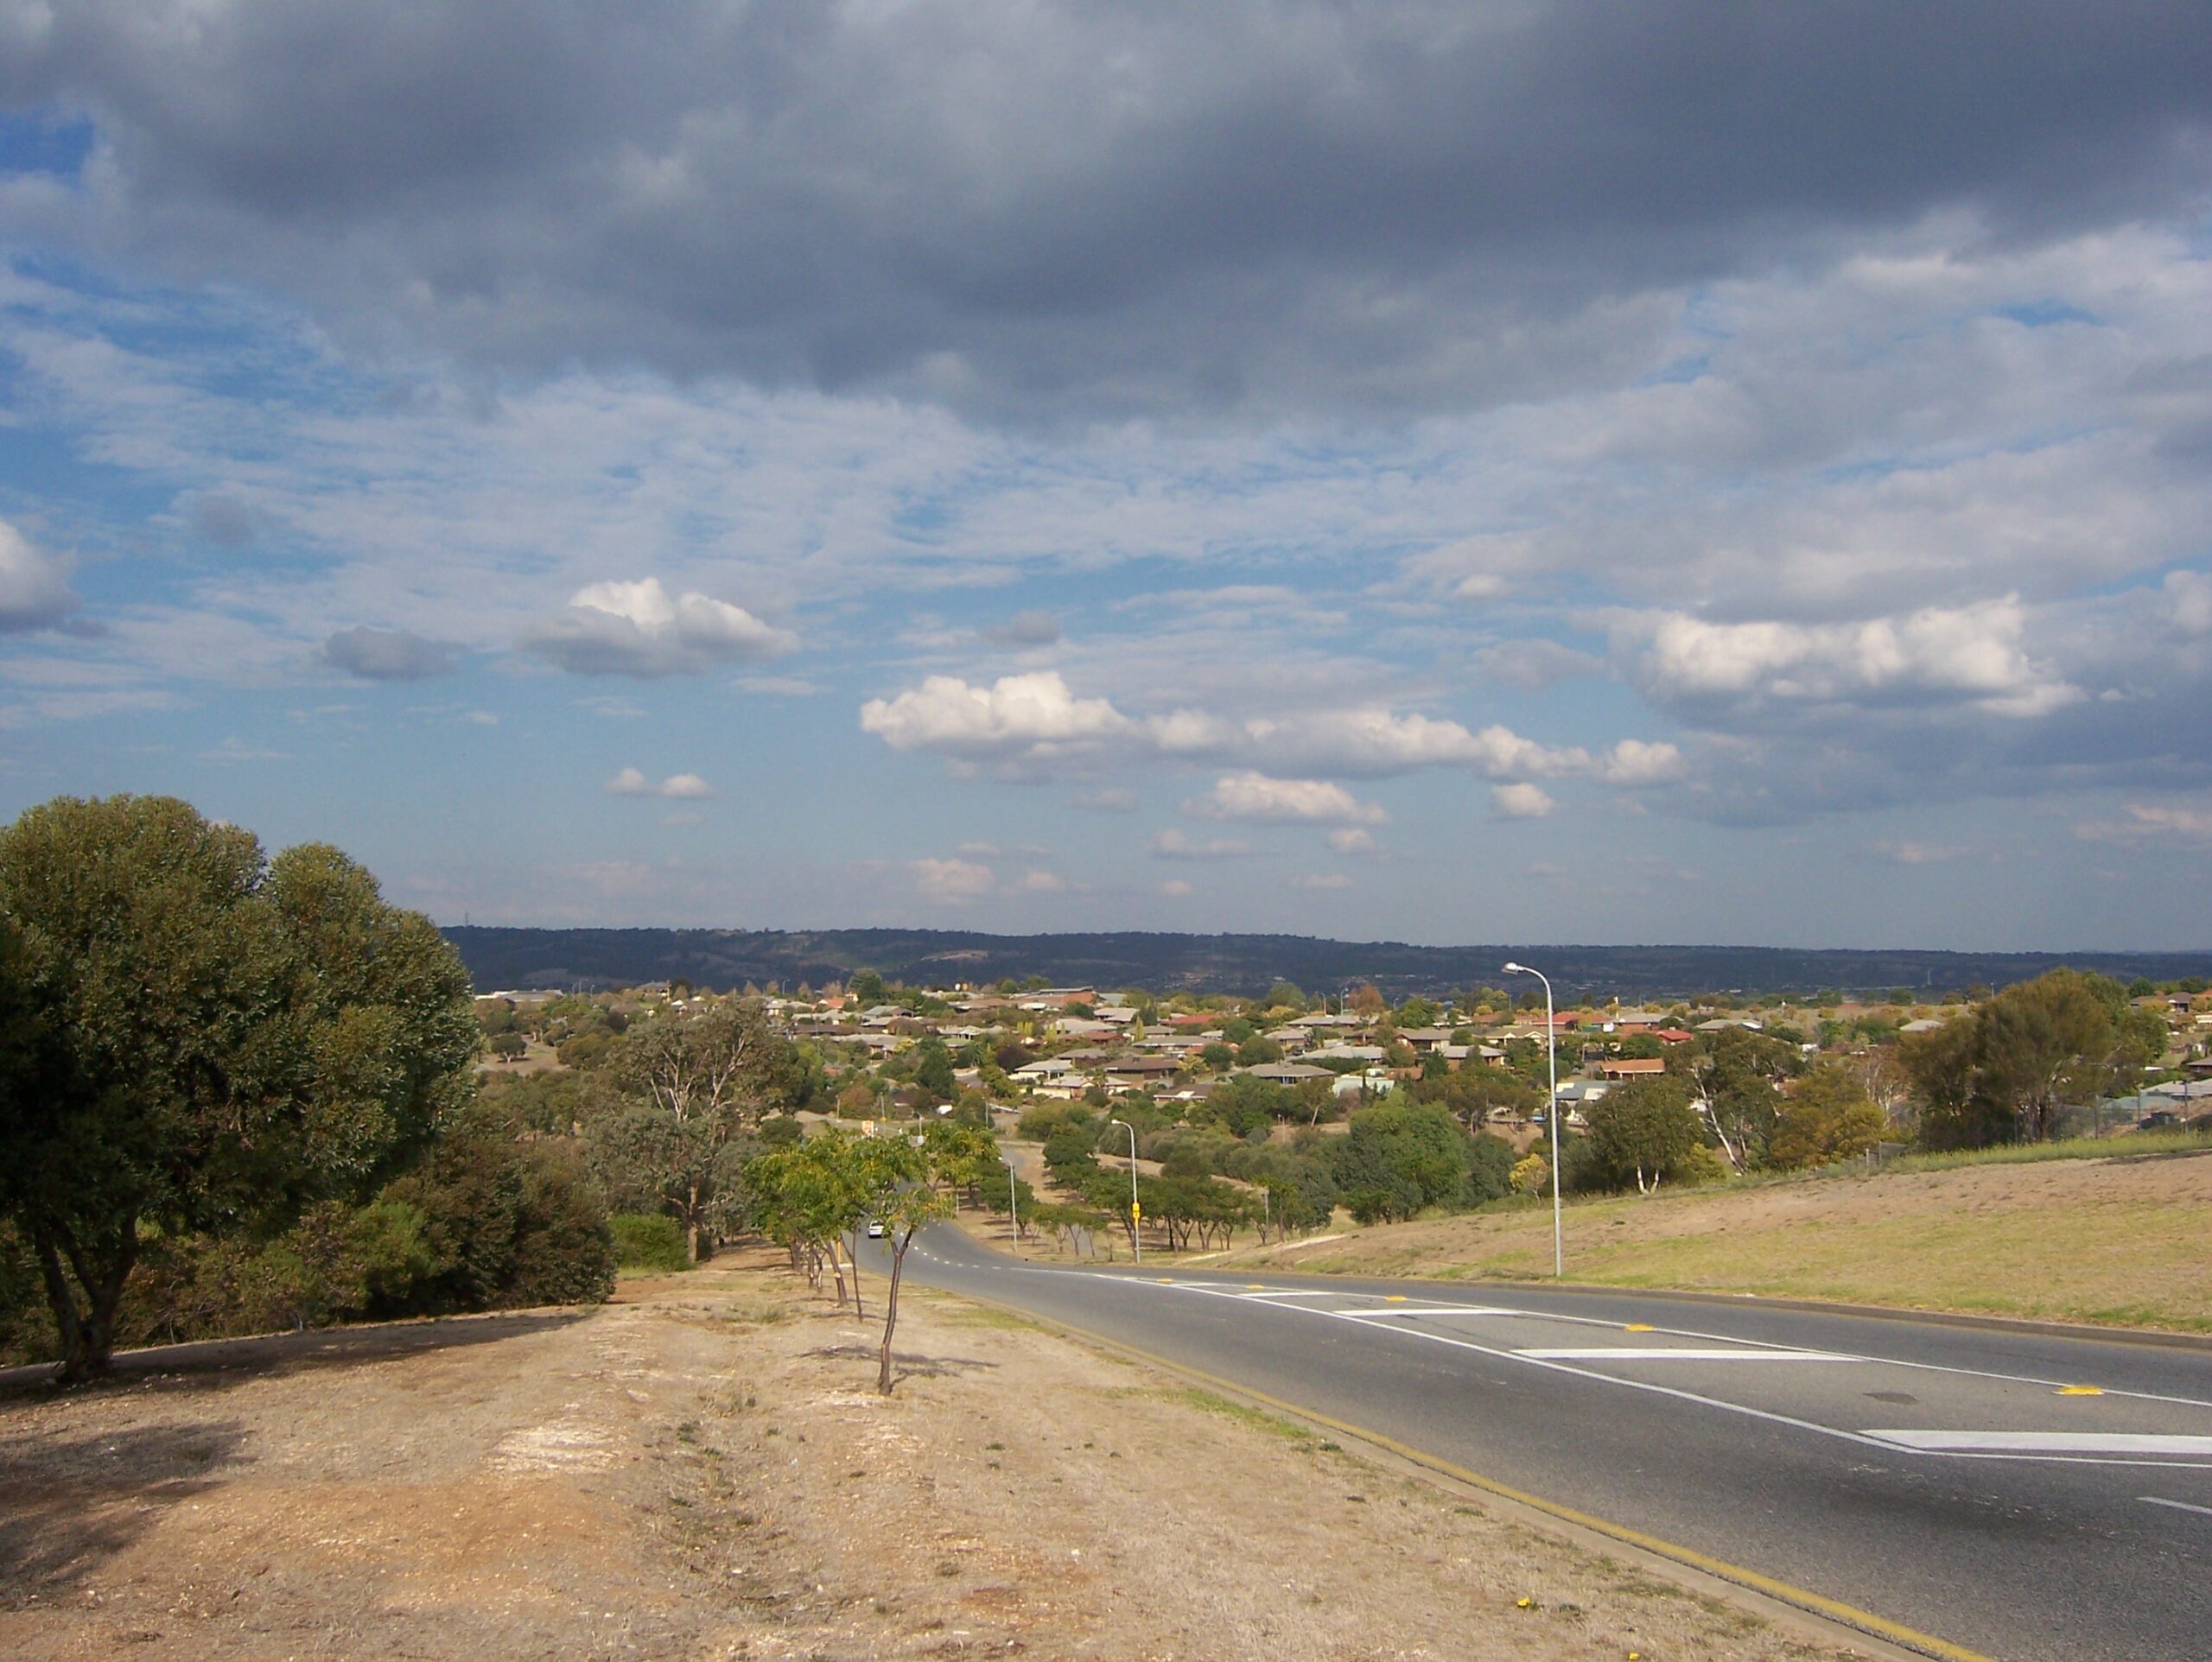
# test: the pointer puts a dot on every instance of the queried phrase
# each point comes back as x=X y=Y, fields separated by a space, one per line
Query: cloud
x=1175 y=888
x=1032 y=717
x=2152 y=823
x=1959 y=655
x=1110 y=799
x=1265 y=206
x=385 y=655
x=1519 y=801
x=952 y=882
x=776 y=686
x=1534 y=665
x=677 y=787
x=1025 y=629
x=1174 y=843
x=222 y=520
x=1255 y=797
x=1035 y=882
x=1320 y=880
x=1905 y=851
x=1633 y=762
x=635 y=629
x=1353 y=841
x=34 y=592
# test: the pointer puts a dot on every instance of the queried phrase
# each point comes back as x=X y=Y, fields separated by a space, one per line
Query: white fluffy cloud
x=1967 y=654
x=1032 y=717
x=636 y=628
x=677 y=787
x=34 y=592
x=1351 y=840
x=1519 y=801
x=1258 y=797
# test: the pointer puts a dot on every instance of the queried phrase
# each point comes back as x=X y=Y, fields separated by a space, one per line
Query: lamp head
x=1517 y=969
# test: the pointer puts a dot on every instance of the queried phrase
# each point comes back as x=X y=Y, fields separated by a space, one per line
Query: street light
x=1136 y=1236
x=1013 y=1205
x=1551 y=1058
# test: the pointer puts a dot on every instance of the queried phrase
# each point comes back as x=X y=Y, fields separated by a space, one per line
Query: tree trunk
x=891 y=1309
x=87 y=1335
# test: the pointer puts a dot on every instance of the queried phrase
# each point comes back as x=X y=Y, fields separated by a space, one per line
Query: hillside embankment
x=700 y=1470
x=2114 y=1242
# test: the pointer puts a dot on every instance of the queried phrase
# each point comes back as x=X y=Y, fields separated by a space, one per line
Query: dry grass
x=2117 y=1242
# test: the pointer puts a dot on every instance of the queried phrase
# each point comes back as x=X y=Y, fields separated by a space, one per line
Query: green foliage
x=506 y=1224
x=230 y=1041
x=649 y=1241
x=867 y=989
x=2005 y=1072
x=1643 y=1131
x=1400 y=1158
x=1828 y=1117
x=670 y=1125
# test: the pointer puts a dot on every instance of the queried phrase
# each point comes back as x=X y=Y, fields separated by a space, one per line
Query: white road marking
x=2178 y=1505
x=1371 y=1318
x=1684 y=1354
x=2062 y=1443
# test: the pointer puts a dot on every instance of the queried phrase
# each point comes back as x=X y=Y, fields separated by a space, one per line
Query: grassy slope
x=2124 y=1242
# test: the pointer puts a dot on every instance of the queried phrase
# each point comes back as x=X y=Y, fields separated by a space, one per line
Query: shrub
x=648 y=1241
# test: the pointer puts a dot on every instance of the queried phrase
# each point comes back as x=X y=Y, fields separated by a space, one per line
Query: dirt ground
x=703 y=1470
x=2118 y=1241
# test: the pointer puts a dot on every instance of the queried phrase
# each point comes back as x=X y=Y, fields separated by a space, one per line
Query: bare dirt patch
x=702 y=1471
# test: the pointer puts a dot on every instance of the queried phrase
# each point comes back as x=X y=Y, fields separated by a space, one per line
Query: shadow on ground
x=215 y=1364
x=67 y=1504
x=905 y=1366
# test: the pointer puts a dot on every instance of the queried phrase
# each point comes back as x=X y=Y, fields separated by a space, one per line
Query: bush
x=644 y=1242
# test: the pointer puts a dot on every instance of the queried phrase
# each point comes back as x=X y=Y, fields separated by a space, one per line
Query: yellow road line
x=1803 y=1598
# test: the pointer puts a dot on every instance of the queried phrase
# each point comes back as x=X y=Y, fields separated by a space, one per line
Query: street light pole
x=1013 y=1204
x=1551 y=1058
x=1136 y=1218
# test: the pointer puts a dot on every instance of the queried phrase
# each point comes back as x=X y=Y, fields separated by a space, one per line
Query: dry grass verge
x=2116 y=1242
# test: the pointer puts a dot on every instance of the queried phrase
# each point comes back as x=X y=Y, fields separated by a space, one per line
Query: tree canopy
x=215 y=1040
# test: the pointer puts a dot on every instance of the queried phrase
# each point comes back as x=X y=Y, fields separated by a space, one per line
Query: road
x=2032 y=1498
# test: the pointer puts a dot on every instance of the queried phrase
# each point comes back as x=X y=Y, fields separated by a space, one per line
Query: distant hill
x=723 y=959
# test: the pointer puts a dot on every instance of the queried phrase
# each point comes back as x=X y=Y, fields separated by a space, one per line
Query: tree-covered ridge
x=724 y=959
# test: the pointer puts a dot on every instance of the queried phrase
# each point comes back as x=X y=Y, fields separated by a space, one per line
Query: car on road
x=875 y=1229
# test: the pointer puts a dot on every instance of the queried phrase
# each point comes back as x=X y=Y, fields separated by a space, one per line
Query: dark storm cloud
x=1094 y=209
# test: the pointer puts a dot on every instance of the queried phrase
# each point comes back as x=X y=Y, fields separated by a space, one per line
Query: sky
x=1677 y=473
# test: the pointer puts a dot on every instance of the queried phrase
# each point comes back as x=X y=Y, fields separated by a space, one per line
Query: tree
x=235 y=1038
x=1827 y=1117
x=683 y=1090
x=1645 y=1128
x=1399 y=1157
x=2004 y=1073
x=867 y=989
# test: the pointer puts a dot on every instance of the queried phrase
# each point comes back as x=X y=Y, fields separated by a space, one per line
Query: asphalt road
x=2030 y=1498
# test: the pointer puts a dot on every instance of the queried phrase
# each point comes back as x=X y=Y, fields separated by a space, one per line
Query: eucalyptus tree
x=218 y=1040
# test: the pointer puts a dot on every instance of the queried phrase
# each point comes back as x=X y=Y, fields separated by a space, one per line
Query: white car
x=876 y=1229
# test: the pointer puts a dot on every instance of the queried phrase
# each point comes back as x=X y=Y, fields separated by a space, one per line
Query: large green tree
x=232 y=1038
x=2005 y=1072
x=670 y=1125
